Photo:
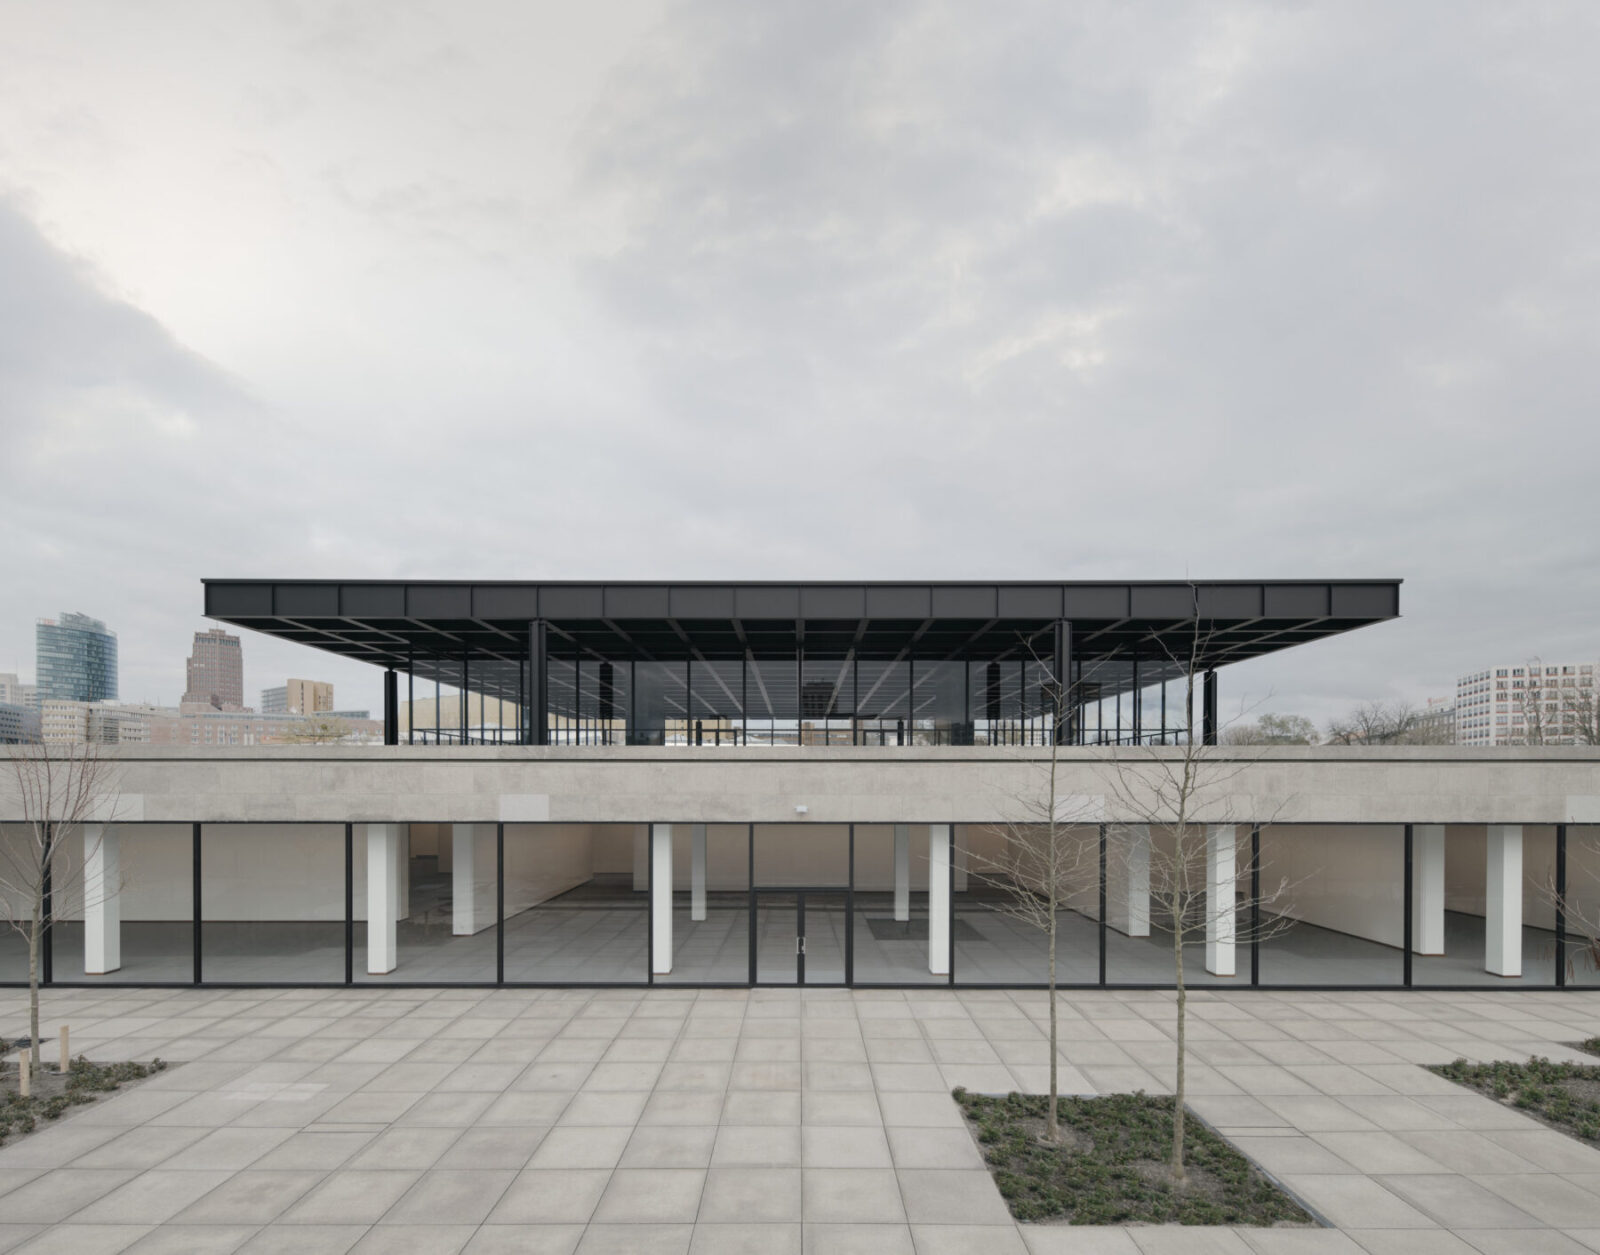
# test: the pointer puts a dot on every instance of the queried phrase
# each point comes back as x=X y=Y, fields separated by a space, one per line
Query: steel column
x=391 y=707
x=539 y=681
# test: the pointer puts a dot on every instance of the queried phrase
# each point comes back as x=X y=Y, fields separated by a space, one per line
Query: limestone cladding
x=410 y=784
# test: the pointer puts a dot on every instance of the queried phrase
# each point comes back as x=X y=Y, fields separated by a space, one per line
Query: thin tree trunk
x=1052 y=1128
x=1178 y=1092
x=33 y=978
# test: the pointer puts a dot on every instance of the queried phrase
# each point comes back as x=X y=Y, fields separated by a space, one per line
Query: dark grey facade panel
x=759 y=601
x=373 y=601
x=439 y=601
x=1028 y=601
x=306 y=601
x=700 y=602
x=1157 y=601
x=1365 y=601
x=566 y=601
x=637 y=601
x=961 y=601
x=1095 y=601
x=888 y=601
x=226 y=601
x=843 y=601
x=1295 y=601
x=1229 y=601
x=500 y=601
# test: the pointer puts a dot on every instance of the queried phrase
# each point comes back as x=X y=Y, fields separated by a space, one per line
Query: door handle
x=799 y=945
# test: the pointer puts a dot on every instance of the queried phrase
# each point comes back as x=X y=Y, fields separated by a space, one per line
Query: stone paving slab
x=796 y=1122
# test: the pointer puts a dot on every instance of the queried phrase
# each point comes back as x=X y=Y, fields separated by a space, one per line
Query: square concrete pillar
x=1221 y=871
x=902 y=872
x=939 y=899
x=1502 y=905
x=697 y=871
x=1128 y=880
x=102 y=907
x=472 y=888
x=661 y=898
x=1427 y=889
x=385 y=866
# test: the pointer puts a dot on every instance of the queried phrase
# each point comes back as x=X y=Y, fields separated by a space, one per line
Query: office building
x=298 y=697
x=76 y=659
x=1527 y=703
x=18 y=724
x=215 y=671
x=15 y=693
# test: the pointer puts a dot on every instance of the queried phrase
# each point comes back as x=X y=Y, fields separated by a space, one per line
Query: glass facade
x=76 y=658
x=850 y=699
x=900 y=905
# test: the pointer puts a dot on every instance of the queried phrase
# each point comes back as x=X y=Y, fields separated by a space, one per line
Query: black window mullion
x=500 y=904
x=1561 y=905
x=1255 y=904
x=349 y=903
x=1407 y=911
x=198 y=932
x=1102 y=929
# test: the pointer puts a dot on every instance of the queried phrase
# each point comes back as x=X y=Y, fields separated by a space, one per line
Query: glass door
x=799 y=936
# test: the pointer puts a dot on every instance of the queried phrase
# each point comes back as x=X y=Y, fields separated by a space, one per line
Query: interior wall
x=273 y=872
x=1346 y=877
x=727 y=857
x=546 y=860
x=985 y=861
x=1465 y=855
x=156 y=862
x=803 y=854
x=875 y=857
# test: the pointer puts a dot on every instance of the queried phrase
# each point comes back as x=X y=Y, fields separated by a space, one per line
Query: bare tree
x=1172 y=804
x=1044 y=850
x=1554 y=710
x=58 y=790
x=1578 y=902
x=317 y=730
x=1273 y=730
x=1388 y=723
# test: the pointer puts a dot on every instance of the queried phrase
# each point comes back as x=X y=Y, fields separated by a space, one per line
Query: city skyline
x=822 y=292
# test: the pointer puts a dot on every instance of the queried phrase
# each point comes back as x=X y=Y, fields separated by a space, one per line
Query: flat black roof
x=430 y=625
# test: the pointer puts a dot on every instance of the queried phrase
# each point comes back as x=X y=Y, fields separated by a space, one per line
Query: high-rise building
x=216 y=671
x=1527 y=703
x=298 y=697
x=15 y=693
x=76 y=659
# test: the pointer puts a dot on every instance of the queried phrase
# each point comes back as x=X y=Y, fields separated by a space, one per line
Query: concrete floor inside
x=598 y=933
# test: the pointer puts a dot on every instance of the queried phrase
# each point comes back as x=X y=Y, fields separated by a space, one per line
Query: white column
x=1220 y=868
x=902 y=872
x=939 y=899
x=697 y=871
x=472 y=907
x=1137 y=885
x=661 y=898
x=102 y=908
x=1427 y=889
x=1502 y=891
x=383 y=896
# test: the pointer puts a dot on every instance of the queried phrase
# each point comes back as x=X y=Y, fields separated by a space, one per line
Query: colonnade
x=1126 y=886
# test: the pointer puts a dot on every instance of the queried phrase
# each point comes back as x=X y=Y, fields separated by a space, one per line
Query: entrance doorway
x=799 y=936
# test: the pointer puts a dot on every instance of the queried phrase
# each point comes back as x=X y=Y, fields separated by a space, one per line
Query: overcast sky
x=805 y=290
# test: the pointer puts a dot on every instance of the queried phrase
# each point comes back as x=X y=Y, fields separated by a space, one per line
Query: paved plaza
x=774 y=1121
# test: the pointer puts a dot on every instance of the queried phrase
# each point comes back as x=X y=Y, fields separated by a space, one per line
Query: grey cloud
x=1257 y=290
